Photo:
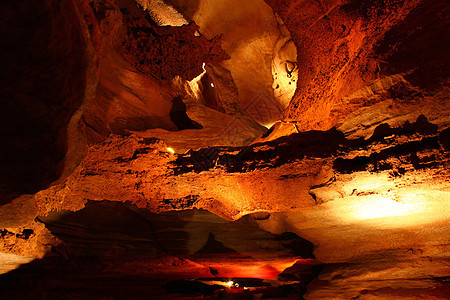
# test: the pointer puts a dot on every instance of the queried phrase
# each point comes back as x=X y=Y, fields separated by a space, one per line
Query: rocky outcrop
x=162 y=191
x=259 y=45
x=353 y=198
x=144 y=172
x=167 y=52
x=136 y=93
x=354 y=54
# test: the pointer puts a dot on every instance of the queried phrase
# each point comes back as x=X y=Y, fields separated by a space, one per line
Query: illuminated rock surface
x=259 y=46
x=135 y=174
x=354 y=55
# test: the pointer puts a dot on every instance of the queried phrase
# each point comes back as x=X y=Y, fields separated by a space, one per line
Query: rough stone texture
x=123 y=98
x=119 y=99
x=148 y=45
x=354 y=54
x=254 y=39
x=128 y=101
x=352 y=198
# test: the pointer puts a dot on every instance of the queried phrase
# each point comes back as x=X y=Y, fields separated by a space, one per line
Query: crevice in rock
x=420 y=135
x=180 y=118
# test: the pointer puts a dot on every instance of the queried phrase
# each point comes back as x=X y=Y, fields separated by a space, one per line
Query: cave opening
x=259 y=77
x=179 y=117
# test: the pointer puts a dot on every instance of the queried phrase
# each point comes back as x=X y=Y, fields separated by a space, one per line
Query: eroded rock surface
x=259 y=46
x=371 y=196
x=352 y=55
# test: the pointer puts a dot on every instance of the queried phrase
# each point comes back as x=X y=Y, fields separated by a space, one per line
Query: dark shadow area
x=424 y=47
x=384 y=134
x=241 y=288
x=444 y=139
x=117 y=250
x=214 y=246
x=318 y=144
x=298 y=245
x=55 y=277
x=192 y=288
x=180 y=118
x=376 y=161
x=277 y=152
x=210 y=94
x=301 y=272
x=44 y=72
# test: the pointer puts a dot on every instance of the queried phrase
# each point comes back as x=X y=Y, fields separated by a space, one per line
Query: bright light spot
x=10 y=262
x=194 y=84
x=212 y=84
x=203 y=67
x=379 y=206
x=269 y=125
x=230 y=283
x=170 y=150
x=369 y=184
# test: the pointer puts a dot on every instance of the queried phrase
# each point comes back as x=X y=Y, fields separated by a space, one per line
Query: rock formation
x=135 y=163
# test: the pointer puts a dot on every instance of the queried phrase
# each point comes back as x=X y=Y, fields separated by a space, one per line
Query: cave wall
x=376 y=210
x=372 y=194
x=44 y=82
x=148 y=81
x=256 y=42
x=356 y=54
x=69 y=87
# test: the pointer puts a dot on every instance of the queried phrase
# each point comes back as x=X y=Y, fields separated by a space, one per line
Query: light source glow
x=379 y=206
x=10 y=262
x=269 y=125
x=212 y=84
x=170 y=150
x=230 y=283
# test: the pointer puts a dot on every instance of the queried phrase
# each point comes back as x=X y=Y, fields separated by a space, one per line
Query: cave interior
x=225 y=149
